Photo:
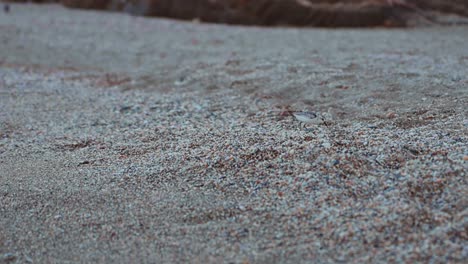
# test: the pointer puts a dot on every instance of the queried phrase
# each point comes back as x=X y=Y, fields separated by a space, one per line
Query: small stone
x=391 y=115
x=9 y=257
x=28 y=259
x=326 y=144
x=307 y=117
x=465 y=158
x=85 y=162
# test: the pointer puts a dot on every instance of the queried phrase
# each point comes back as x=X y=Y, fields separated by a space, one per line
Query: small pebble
x=9 y=257
x=391 y=115
x=305 y=116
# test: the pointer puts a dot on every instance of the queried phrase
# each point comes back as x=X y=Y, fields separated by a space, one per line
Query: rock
x=87 y=4
x=322 y=13
x=268 y=12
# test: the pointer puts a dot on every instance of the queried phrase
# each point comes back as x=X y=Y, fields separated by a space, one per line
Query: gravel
x=128 y=139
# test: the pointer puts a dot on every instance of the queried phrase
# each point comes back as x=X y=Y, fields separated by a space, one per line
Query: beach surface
x=140 y=140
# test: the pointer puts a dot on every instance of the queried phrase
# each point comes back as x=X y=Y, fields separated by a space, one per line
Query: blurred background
x=319 y=13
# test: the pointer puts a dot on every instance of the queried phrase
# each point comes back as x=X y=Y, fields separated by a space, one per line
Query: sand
x=128 y=139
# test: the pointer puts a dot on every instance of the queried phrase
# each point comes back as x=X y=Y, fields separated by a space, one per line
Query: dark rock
x=321 y=13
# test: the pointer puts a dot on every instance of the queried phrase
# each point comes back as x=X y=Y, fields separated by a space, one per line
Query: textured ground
x=125 y=139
